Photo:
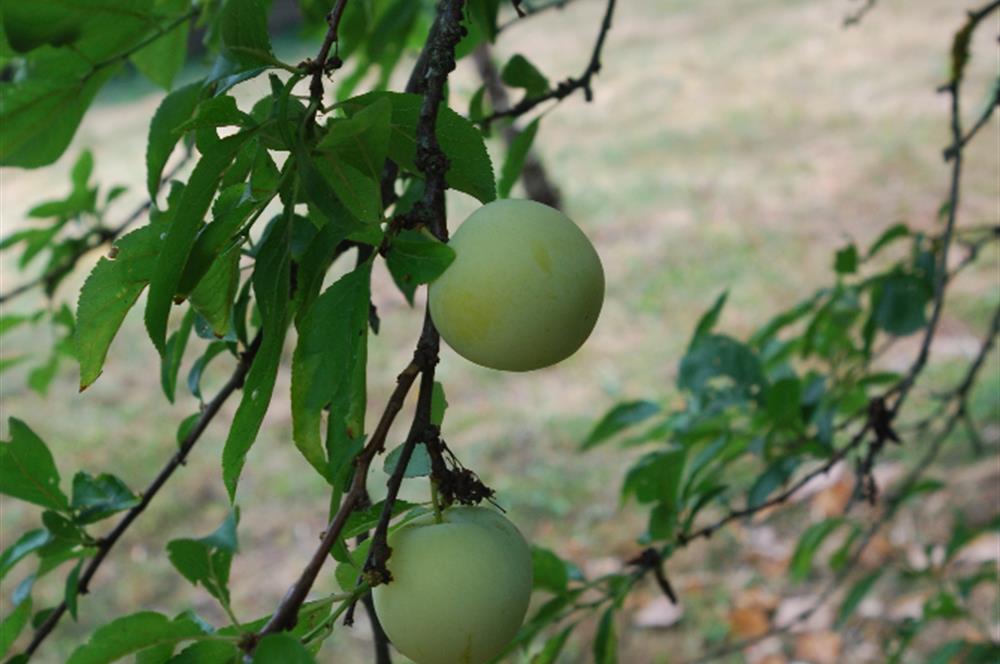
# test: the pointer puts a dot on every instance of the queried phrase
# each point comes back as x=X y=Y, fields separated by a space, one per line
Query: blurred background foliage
x=738 y=158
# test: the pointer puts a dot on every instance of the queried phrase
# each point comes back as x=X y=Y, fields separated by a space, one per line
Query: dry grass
x=731 y=145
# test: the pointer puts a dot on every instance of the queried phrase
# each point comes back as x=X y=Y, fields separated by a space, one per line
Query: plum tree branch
x=445 y=33
x=567 y=87
x=106 y=543
x=903 y=388
x=323 y=64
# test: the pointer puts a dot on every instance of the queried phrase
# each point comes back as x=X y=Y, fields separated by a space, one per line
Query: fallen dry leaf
x=818 y=647
x=758 y=597
x=833 y=499
x=749 y=622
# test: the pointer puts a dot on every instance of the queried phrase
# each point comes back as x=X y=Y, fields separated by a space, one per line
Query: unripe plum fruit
x=524 y=290
x=459 y=588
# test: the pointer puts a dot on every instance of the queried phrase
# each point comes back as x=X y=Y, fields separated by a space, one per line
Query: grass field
x=730 y=145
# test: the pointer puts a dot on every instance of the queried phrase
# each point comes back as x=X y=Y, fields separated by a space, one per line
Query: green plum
x=460 y=588
x=525 y=288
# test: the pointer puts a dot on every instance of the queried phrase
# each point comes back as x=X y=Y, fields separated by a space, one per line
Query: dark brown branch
x=106 y=543
x=286 y=614
x=440 y=61
x=323 y=64
x=95 y=238
x=567 y=87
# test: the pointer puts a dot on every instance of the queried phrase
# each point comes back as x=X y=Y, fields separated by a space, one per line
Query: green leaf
x=218 y=111
x=606 y=642
x=419 y=465
x=96 y=498
x=15 y=621
x=854 y=597
x=417 y=257
x=282 y=649
x=72 y=588
x=164 y=58
x=621 y=417
x=656 y=477
x=270 y=284
x=175 y=109
x=207 y=652
x=332 y=342
x=170 y=363
x=130 y=634
x=847 y=260
x=548 y=571
x=553 y=647
x=199 y=563
x=439 y=404
x=772 y=478
x=94 y=30
x=900 y=302
x=783 y=402
x=470 y=168
x=214 y=295
x=207 y=560
x=180 y=236
x=109 y=292
x=516 y=154
x=709 y=319
x=351 y=155
x=25 y=545
x=197 y=369
x=520 y=73
x=888 y=236
x=42 y=110
x=245 y=40
x=809 y=543
x=721 y=365
x=27 y=469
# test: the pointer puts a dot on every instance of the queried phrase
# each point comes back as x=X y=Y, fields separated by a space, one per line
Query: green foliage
x=206 y=561
x=134 y=633
x=752 y=416
x=516 y=155
x=331 y=351
x=28 y=471
x=470 y=168
x=416 y=257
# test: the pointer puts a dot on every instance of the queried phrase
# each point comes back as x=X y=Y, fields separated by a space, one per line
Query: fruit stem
x=436 y=502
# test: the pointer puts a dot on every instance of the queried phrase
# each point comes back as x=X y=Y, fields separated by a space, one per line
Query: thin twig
x=984 y=117
x=685 y=538
x=854 y=18
x=106 y=543
x=941 y=266
x=534 y=10
x=324 y=64
x=567 y=87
